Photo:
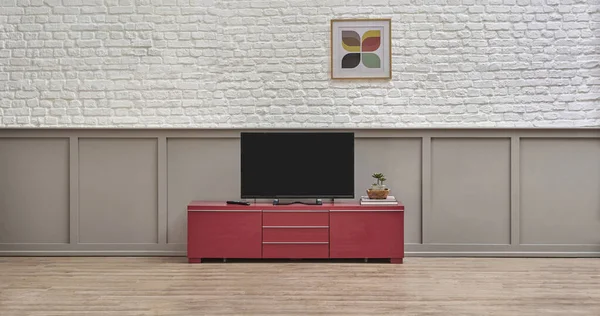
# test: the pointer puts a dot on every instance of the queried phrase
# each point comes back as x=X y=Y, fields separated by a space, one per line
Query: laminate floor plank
x=89 y=286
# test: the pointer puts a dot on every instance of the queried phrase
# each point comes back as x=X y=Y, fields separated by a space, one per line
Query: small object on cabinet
x=378 y=190
x=390 y=200
x=236 y=202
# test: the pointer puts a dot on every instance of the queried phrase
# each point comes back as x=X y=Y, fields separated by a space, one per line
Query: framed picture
x=361 y=49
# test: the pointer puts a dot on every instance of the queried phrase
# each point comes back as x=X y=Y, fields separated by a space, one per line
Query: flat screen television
x=297 y=165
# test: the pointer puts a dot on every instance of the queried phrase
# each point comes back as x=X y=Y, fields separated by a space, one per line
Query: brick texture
x=235 y=63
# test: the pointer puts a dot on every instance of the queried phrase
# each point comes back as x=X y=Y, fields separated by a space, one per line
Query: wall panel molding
x=560 y=191
x=360 y=133
x=74 y=190
x=548 y=177
x=162 y=190
x=515 y=191
x=118 y=190
x=34 y=190
x=470 y=191
x=426 y=188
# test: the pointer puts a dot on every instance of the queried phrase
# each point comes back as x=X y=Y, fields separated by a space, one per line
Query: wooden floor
x=421 y=286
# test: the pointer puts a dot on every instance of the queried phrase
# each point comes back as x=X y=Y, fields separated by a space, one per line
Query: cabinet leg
x=194 y=260
x=396 y=260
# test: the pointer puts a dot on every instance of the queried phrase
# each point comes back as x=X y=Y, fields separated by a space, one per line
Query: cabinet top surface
x=338 y=205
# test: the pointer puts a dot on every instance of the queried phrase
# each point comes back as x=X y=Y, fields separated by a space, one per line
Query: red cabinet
x=296 y=218
x=261 y=230
x=295 y=234
x=296 y=250
x=366 y=234
x=224 y=234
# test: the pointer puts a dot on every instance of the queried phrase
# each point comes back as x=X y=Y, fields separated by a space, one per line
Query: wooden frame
x=388 y=72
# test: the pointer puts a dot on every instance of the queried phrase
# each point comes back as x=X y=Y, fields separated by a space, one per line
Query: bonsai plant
x=380 y=180
x=378 y=190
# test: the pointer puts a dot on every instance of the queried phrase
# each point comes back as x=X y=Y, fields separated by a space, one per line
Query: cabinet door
x=225 y=234
x=366 y=234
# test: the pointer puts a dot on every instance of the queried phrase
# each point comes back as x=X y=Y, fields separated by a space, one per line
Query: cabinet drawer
x=367 y=234
x=295 y=251
x=218 y=234
x=295 y=218
x=296 y=234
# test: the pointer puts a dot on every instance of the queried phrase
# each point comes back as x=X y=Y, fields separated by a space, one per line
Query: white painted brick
x=512 y=63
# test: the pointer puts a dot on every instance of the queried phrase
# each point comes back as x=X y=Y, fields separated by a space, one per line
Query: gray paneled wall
x=34 y=191
x=118 y=190
x=479 y=192
x=470 y=191
x=560 y=185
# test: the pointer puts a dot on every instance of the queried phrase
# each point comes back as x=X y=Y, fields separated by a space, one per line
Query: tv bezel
x=299 y=196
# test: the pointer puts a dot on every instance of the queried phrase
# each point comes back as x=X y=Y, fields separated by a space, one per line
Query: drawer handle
x=295 y=242
x=295 y=211
x=295 y=226
x=224 y=211
x=367 y=211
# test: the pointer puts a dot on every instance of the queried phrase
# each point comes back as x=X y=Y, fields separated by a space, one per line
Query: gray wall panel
x=199 y=169
x=34 y=190
x=118 y=191
x=125 y=191
x=560 y=191
x=470 y=191
x=400 y=160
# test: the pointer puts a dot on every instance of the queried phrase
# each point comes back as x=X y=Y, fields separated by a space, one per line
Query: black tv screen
x=297 y=165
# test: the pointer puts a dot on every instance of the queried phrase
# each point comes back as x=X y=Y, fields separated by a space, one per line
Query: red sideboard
x=261 y=230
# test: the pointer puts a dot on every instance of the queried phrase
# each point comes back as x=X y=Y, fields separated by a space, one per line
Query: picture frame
x=361 y=49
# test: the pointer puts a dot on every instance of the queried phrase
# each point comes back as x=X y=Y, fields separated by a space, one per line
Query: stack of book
x=390 y=200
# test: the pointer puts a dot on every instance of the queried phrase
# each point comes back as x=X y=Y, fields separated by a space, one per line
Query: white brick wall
x=234 y=63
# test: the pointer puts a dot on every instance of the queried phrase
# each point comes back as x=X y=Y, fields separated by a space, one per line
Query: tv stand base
x=200 y=260
x=338 y=231
x=278 y=202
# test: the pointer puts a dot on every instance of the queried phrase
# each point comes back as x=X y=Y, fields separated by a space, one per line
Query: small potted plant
x=378 y=190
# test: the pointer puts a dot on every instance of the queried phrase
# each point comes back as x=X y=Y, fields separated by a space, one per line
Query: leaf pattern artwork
x=371 y=60
x=371 y=41
x=351 y=41
x=361 y=49
x=351 y=60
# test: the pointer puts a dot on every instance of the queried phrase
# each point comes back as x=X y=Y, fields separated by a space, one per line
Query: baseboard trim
x=63 y=253
x=506 y=254
x=414 y=254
